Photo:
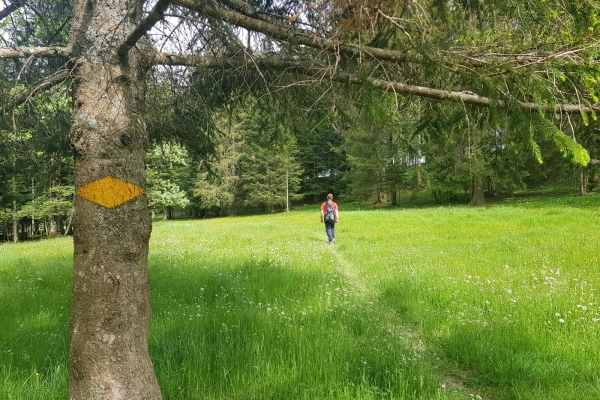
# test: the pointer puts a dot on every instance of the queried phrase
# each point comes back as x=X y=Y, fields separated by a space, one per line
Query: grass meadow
x=496 y=302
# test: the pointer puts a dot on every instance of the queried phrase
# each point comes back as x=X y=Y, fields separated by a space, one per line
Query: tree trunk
x=61 y=225
x=15 y=223
x=70 y=221
x=419 y=163
x=110 y=308
x=24 y=227
x=478 y=198
x=582 y=182
x=53 y=227
x=32 y=213
x=394 y=194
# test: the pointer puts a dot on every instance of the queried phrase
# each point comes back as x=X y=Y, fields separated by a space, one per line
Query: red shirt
x=324 y=206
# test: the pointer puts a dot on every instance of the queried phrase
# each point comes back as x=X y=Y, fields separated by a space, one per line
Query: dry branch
x=244 y=15
x=354 y=79
x=25 y=52
x=156 y=14
x=334 y=75
x=15 y=5
x=281 y=31
x=291 y=19
x=46 y=84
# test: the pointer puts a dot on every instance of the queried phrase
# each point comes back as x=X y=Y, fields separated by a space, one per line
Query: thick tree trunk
x=478 y=198
x=110 y=309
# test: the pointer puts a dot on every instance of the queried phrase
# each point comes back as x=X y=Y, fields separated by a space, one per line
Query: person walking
x=329 y=215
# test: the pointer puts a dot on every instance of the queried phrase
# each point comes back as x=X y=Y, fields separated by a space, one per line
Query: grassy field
x=498 y=302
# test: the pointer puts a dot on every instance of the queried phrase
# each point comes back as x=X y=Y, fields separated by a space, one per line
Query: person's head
x=329 y=196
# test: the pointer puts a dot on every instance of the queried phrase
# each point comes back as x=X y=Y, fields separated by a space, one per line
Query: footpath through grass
x=438 y=303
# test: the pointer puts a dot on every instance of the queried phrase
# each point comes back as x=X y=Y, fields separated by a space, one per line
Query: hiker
x=329 y=215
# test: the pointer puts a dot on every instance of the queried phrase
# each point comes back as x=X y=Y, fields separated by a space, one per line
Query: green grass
x=432 y=303
x=35 y=292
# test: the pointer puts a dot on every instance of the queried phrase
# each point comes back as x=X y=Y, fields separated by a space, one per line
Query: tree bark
x=110 y=309
x=15 y=223
x=287 y=191
x=478 y=198
x=419 y=163
x=394 y=194
x=582 y=182
x=52 y=227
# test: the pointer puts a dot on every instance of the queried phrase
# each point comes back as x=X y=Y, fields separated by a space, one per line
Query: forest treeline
x=229 y=139
x=257 y=150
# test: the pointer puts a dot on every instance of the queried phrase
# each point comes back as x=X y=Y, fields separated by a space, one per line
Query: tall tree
x=372 y=145
x=322 y=157
x=527 y=57
x=217 y=184
x=270 y=173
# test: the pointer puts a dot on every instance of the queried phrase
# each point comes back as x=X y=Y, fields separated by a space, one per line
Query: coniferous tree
x=372 y=144
x=270 y=173
x=322 y=156
x=217 y=183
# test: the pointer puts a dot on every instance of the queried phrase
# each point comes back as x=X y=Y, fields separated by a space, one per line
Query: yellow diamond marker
x=110 y=192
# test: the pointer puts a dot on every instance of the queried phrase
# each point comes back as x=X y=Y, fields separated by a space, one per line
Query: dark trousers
x=330 y=229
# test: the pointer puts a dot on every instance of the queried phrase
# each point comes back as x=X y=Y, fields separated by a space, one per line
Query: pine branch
x=156 y=14
x=46 y=84
x=25 y=52
x=15 y=5
x=328 y=74
x=246 y=16
x=281 y=31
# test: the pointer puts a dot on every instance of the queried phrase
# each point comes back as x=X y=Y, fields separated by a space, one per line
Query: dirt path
x=403 y=333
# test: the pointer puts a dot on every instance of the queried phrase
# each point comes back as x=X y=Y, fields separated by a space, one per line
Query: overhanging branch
x=156 y=14
x=45 y=52
x=329 y=74
x=242 y=14
x=15 y=5
x=281 y=31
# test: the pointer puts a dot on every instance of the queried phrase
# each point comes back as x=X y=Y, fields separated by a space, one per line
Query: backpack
x=329 y=213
